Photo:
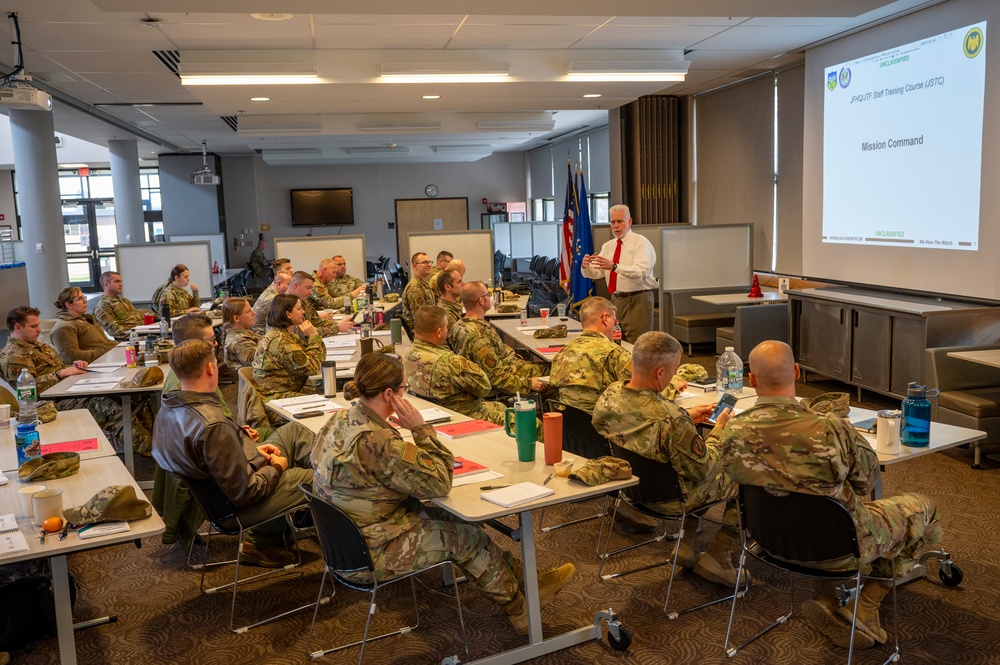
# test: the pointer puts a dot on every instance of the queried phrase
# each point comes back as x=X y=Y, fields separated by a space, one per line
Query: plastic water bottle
x=27 y=442
x=164 y=320
x=27 y=397
x=729 y=373
x=916 y=425
x=132 y=350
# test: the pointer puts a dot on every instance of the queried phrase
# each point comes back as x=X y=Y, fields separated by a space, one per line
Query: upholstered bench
x=692 y=321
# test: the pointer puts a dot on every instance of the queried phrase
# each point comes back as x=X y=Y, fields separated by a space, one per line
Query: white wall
x=188 y=209
x=256 y=193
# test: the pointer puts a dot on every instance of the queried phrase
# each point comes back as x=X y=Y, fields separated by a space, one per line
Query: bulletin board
x=305 y=253
x=144 y=268
x=475 y=248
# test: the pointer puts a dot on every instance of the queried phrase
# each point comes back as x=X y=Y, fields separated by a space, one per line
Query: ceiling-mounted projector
x=25 y=97
x=205 y=178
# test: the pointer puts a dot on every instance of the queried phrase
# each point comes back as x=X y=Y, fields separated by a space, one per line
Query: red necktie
x=613 y=278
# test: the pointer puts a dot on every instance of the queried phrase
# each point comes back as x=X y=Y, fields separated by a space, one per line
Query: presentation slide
x=902 y=144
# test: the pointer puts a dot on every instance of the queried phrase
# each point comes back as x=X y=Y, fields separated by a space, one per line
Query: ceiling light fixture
x=610 y=71
x=392 y=149
x=431 y=97
x=271 y=16
x=260 y=99
x=249 y=79
x=592 y=95
x=400 y=126
x=247 y=68
x=444 y=72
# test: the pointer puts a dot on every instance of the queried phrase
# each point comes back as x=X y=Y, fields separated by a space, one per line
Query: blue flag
x=581 y=287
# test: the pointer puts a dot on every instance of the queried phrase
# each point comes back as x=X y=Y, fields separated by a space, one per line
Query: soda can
x=379 y=317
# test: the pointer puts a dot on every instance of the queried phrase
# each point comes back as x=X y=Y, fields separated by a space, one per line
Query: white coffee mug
x=887 y=438
x=25 y=494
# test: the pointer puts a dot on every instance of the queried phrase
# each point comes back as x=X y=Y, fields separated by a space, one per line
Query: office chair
x=778 y=528
x=223 y=518
x=344 y=552
x=658 y=484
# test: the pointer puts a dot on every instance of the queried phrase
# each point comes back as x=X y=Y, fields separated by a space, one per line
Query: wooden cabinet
x=875 y=340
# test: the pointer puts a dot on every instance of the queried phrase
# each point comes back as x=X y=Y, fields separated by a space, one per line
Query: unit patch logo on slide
x=845 y=77
x=973 y=42
x=831 y=81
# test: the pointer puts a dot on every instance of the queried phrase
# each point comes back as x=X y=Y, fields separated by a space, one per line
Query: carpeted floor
x=163 y=618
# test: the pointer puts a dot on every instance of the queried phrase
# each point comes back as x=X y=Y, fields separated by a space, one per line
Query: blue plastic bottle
x=916 y=425
x=27 y=442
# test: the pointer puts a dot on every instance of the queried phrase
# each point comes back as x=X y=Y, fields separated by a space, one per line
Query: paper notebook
x=515 y=495
x=467 y=467
x=468 y=428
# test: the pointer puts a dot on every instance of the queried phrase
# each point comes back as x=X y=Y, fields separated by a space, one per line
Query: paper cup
x=147 y=319
x=46 y=504
x=4 y=415
x=544 y=313
x=25 y=494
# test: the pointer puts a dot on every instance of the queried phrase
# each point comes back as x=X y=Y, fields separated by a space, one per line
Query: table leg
x=64 y=610
x=127 y=433
x=530 y=567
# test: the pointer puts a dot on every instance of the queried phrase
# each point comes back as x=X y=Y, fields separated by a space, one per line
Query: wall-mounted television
x=322 y=207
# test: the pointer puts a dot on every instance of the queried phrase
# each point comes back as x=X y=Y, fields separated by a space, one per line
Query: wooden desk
x=741 y=298
x=499 y=453
x=62 y=389
x=989 y=357
x=68 y=426
x=94 y=475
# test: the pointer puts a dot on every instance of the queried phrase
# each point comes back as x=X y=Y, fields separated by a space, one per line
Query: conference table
x=767 y=296
x=990 y=357
x=113 y=360
x=521 y=302
x=96 y=473
x=498 y=452
x=76 y=430
x=517 y=336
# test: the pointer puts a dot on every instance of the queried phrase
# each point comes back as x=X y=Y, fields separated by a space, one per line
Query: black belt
x=619 y=294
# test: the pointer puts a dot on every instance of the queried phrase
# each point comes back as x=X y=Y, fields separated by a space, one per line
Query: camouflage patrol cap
x=145 y=377
x=691 y=372
x=391 y=297
x=113 y=503
x=553 y=332
x=601 y=470
x=46 y=410
x=507 y=309
x=49 y=467
x=387 y=348
x=509 y=295
x=836 y=404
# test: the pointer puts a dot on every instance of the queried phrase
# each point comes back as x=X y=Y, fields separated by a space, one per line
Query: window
x=149 y=185
x=599 y=204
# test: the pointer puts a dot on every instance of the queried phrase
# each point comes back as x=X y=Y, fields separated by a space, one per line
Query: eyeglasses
x=404 y=387
x=485 y=295
x=422 y=263
x=79 y=298
x=211 y=340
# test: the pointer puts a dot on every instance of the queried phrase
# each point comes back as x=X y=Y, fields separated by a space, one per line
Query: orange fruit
x=53 y=524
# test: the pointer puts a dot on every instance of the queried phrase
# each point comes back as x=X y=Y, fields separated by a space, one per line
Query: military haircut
x=232 y=308
x=772 y=364
x=445 y=254
x=190 y=326
x=621 y=207
x=20 y=314
x=278 y=264
x=654 y=349
x=188 y=359
x=428 y=319
x=338 y=256
x=300 y=276
x=457 y=265
x=283 y=303
x=375 y=372
x=472 y=292
x=595 y=307
x=66 y=296
x=326 y=263
x=446 y=277
x=106 y=276
x=413 y=259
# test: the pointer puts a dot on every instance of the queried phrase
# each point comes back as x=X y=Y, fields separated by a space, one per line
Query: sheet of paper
x=92 y=381
x=79 y=446
x=324 y=405
x=205 y=306
x=301 y=399
x=91 y=387
x=471 y=478
x=13 y=542
x=104 y=369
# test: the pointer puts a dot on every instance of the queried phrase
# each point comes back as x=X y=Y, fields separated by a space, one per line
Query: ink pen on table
x=493 y=487
x=546 y=481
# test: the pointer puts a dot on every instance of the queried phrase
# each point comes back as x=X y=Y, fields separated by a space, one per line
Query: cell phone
x=728 y=400
x=457 y=465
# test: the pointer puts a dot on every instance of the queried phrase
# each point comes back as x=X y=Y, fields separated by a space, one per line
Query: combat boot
x=716 y=564
x=822 y=613
x=517 y=612
x=549 y=581
x=868 y=603
x=687 y=557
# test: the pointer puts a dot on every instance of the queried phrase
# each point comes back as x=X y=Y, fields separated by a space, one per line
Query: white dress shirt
x=635 y=265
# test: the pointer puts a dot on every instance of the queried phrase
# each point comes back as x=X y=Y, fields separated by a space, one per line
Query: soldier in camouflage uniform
x=364 y=467
x=116 y=313
x=173 y=294
x=24 y=351
x=418 y=292
x=301 y=286
x=638 y=416
x=590 y=363
x=782 y=445
x=289 y=353
x=321 y=298
x=258 y=263
x=239 y=340
x=444 y=257
x=449 y=286
x=282 y=274
x=343 y=284
x=436 y=372
x=458 y=265
x=477 y=340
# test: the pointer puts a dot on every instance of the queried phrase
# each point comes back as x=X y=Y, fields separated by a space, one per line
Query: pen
x=493 y=487
x=546 y=481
